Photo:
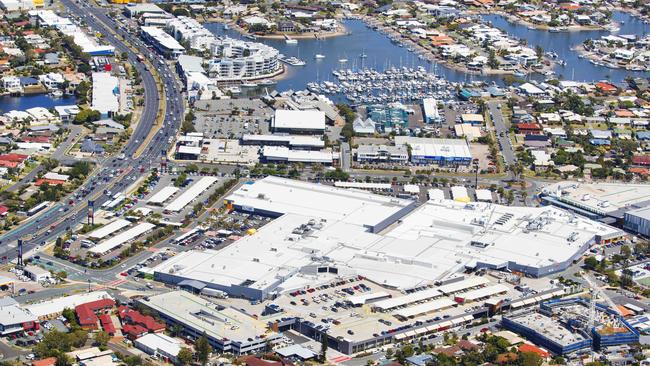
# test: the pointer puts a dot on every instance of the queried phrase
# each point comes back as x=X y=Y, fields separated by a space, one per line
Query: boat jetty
x=394 y=84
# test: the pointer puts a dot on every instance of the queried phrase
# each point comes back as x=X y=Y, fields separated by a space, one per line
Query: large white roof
x=600 y=197
x=283 y=153
x=229 y=323
x=46 y=308
x=157 y=341
x=297 y=119
x=483 y=292
x=281 y=195
x=425 y=308
x=121 y=238
x=323 y=225
x=432 y=148
x=12 y=314
x=163 y=195
x=190 y=194
x=291 y=140
x=164 y=39
x=105 y=92
x=109 y=229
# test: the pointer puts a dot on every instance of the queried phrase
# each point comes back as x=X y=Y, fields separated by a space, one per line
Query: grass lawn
x=644 y=281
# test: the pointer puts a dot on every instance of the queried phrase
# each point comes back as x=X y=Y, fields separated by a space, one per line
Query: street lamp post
x=476 y=171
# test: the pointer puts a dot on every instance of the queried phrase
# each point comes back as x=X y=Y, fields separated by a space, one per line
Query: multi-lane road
x=503 y=136
x=62 y=216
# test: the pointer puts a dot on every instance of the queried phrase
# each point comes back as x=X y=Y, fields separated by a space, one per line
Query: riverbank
x=633 y=12
x=544 y=27
x=428 y=53
x=341 y=31
x=599 y=60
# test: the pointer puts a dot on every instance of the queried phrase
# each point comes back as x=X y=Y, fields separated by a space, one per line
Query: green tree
x=70 y=316
x=626 y=278
x=626 y=252
x=101 y=338
x=180 y=180
x=133 y=360
x=87 y=115
x=203 y=349
x=184 y=356
x=181 y=12
x=591 y=263
x=338 y=175
x=539 y=51
x=63 y=360
x=493 y=61
x=530 y=359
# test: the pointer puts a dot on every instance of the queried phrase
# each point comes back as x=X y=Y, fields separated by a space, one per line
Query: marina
x=366 y=48
x=393 y=85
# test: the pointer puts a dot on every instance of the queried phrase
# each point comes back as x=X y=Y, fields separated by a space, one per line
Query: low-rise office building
x=443 y=152
x=298 y=121
x=382 y=154
x=14 y=318
x=163 y=42
x=227 y=329
x=159 y=346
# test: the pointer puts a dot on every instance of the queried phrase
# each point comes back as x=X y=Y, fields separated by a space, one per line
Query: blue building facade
x=595 y=337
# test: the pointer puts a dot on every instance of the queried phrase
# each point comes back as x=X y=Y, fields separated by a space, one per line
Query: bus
x=140 y=58
x=188 y=236
x=38 y=208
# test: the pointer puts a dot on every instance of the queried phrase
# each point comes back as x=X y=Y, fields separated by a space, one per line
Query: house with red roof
x=133 y=317
x=607 y=88
x=133 y=331
x=639 y=171
x=50 y=361
x=534 y=349
x=255 y=361
x=569 y=6
x=107 y=323
x=641 y=160
x=87 y=313
x=529 y=128
x=13 y=160
x=4 y=210
x=624 y=113
x=52 y=182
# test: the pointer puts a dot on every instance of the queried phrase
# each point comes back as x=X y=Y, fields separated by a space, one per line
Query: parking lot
x=232 y=118
x=331 y=306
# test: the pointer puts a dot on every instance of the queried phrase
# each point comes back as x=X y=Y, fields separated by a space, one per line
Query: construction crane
x=597 y=292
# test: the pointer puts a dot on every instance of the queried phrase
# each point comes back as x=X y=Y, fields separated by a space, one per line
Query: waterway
x=382 y=53
x=9 y=103
x=562 y=43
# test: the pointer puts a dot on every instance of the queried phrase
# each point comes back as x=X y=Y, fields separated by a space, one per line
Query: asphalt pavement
x=51 y=222
x=58 y=154
x=502 y=132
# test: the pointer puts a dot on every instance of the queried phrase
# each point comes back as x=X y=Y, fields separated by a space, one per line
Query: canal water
x=8 y=103
x=562 y=43
x=382 y=53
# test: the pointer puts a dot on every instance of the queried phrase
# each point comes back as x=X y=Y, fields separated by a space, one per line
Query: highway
x=62 y=216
